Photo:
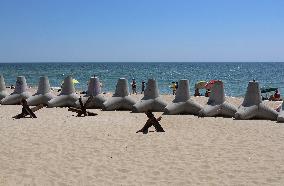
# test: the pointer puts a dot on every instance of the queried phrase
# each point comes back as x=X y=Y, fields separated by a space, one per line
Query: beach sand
x=58 y=148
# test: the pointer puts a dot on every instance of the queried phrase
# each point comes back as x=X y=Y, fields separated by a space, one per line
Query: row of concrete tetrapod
x=251 y=108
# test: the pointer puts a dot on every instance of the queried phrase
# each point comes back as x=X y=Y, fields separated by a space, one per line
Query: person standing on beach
x=207 y=93
x=176 y=85
x=143 y=87
x=173 y=87
x=197 y=93
x=133 y=85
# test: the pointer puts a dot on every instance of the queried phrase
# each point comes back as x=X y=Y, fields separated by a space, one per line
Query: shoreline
x=234 y=75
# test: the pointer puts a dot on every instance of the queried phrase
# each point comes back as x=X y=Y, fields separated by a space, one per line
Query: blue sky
x=141 y=30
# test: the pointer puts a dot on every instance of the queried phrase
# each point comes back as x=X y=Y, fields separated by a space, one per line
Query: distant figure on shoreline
x=151 y=121
x=276 y=96
x=173 y=87
x=133 y=85
x=143 y=87
x=207 y=93
x=197 y=93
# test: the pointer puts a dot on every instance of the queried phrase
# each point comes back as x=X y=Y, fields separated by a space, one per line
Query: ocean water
x=234 y=75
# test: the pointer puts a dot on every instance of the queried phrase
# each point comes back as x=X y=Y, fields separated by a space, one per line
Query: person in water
x=151 y=121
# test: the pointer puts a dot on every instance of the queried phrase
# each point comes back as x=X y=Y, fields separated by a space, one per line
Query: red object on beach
x=210 y=84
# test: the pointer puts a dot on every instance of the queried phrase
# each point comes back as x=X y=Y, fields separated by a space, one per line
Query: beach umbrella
x=200 y=84
x=210 y=84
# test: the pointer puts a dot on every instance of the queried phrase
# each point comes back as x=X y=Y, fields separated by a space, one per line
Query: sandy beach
x=58 y=148
x=230 y=51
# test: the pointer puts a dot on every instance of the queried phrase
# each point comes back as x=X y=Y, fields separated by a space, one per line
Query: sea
x=234 y=75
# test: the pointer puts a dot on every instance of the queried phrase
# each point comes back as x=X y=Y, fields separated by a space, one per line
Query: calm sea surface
x=234 y=75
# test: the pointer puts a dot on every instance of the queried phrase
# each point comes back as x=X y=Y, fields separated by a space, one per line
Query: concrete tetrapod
x=19 y=93
x=280 y=117
x=151 y=100
x=216 y=105
x=252 y=106
x=3 y=92
x=94 y=89
x=43 y=94
x=67 y=96
x=120 y=99
x=182 y=104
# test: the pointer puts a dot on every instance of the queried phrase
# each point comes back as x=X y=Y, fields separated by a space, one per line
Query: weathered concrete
x=3 y=92
x=43 y=94
x=120 y=99
x=216 y=105
x=151 y=100
x=252 y=106
x=182 y=104
x=67 y=96
x=19 y=93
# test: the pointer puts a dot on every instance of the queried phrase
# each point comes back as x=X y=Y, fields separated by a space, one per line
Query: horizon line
x=141 y=62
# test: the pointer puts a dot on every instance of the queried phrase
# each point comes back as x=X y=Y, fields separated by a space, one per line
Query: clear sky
x=141 y=30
